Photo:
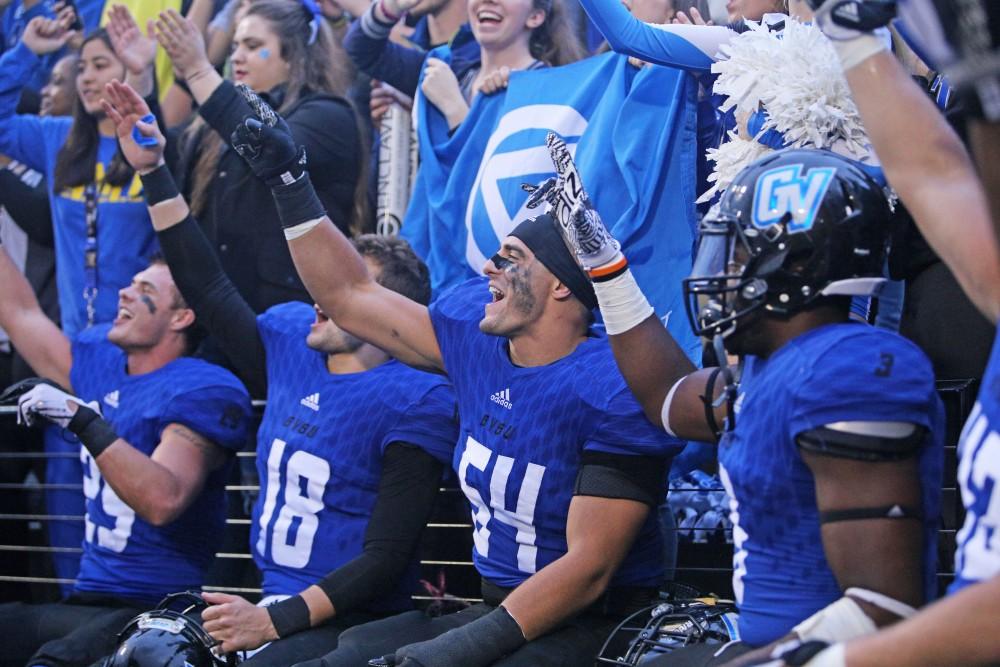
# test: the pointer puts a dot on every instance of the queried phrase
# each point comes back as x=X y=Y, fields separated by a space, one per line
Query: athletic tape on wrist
x=289 y=616
x=623 y=305
x=840 y=621
x=884 y=602
x=158 y=185
x=853 y=52
x=292 y=233
x=92 y=429
x=297 y=204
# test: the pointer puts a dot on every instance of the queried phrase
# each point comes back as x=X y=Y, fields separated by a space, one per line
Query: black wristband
x=92 y=429
x=158 y=185
x=297 y=202
x=289 y=616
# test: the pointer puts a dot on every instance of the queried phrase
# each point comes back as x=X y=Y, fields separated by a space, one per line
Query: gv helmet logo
x=786 y=190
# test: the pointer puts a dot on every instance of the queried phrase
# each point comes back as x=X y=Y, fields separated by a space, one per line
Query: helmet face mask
x=795 y=226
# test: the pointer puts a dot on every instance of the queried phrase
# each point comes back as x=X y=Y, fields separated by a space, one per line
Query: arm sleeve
x=215 y=300
x=639 y=478
x=367 y=43
x=224 y=109
x=22 y=137
x=688 y=47
x=27 y=203
x=406 y=492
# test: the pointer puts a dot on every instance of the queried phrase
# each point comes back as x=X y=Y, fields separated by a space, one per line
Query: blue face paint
x=265 y=54
x=149 y=303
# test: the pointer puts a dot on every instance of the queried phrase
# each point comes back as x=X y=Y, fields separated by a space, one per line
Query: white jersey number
x=522 y=518
x=739 y=538
x=115 y=539
x=978 y=475
x=305 y=477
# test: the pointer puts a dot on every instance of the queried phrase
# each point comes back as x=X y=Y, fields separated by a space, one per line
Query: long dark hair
x=555 y=42
x=77 y=159
x=319 y=67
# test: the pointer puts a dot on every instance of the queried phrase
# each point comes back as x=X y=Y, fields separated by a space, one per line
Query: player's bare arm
x=36 y=337
x=333 y=272
x=599 y=534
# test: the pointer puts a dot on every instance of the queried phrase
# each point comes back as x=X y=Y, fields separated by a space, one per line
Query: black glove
x=265 y=142
x=477 y=644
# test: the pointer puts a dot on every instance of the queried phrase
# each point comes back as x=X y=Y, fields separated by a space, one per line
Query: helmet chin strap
x=729 y=389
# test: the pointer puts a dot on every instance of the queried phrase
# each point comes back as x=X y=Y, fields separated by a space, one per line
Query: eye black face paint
x=149 y=303
x=520 y=289
x=502 y=263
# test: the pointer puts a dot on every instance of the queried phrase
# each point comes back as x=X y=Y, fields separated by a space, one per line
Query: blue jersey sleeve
x=93 y=356
x=868 y=376
x=24 y=137
x=220 y=413
x=689 y=47
x=430 y=423
x=455 y=317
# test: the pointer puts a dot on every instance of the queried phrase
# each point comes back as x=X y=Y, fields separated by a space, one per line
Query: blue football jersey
x=319 y=453
x=842 y=372
x=62 y=472
x=978 y=554
x=523 y=431
x=123 y=555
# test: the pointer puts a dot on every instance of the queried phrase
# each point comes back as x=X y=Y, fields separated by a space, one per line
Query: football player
x=350 y=450
x=157 y=431
x=931 y=171
x=830 y=440
x=559 y=465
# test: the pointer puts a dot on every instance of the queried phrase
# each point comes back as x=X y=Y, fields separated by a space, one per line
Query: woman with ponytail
x=283 y=50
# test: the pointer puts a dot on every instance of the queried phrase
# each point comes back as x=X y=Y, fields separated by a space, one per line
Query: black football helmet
x=668 y=626
x=169 y=636
x=792 y=227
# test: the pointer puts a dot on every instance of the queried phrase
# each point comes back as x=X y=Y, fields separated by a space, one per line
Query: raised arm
x=368 y=45
x=193 y=264
x=924 y=161
x=334 y=273
x=34 y=335
x=690 y=47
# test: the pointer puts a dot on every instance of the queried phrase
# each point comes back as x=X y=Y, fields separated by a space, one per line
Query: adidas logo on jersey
x=311 y=401
x=111 y=398
x=502 y=398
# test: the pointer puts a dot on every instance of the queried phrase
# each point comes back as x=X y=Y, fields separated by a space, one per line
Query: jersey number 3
x=305 y=477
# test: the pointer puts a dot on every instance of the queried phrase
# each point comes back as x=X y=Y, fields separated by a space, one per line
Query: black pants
x=73 y=633
x=700 y=655
x=575 y=643
x=307 y=644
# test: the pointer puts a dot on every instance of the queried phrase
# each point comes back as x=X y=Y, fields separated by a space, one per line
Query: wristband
x=289 y=616
x=158 y=186
x=92 y=429
x=297 y=203
x=623 y=305
x=853 y=52
x=386 y=13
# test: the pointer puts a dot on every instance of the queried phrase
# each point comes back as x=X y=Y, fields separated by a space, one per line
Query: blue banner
x=633 y=134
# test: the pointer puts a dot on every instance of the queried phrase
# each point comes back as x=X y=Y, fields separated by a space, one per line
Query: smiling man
x=559 y=465
x=157 y=430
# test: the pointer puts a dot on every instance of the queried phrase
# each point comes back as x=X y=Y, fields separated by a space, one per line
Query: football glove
x=48 y=402
x=265 y=142
x=846 y=19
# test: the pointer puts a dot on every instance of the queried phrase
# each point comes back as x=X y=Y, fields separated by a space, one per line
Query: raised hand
x=43 y=35
x=134 y=125
x=842 y=20
x=184 y=43
x=135 y=50
x=578 y=219
x=265 y=142
x=441 y=88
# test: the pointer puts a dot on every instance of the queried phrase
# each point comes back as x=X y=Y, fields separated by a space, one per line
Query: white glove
x=50 y=403
x=857 y=28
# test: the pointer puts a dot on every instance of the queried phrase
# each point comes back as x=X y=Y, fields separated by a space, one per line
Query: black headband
x=544 y=239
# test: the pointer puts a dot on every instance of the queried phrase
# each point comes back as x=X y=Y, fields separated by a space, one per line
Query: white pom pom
x=796 y=78
x=730 y=158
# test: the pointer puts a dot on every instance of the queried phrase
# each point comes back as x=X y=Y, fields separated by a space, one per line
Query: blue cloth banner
x=633 y=134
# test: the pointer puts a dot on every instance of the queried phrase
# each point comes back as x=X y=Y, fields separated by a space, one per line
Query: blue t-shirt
x=123 y=555
x=842 y=372
x=978 y=555
x=523 y=432
x=319 y=453
x=125 y=238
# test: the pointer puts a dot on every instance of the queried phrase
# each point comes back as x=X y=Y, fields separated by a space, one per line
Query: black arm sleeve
x=406 y=492
x=224 y=110
x=639 y=478
x=219 y=307
x=28 y=205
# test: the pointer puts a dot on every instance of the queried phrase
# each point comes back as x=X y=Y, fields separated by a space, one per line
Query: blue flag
x=633 y=134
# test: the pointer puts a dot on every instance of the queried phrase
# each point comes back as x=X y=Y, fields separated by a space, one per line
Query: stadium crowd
x=623 y=272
